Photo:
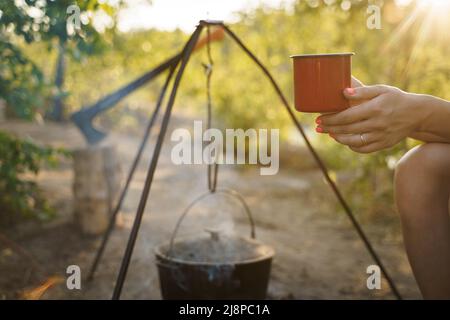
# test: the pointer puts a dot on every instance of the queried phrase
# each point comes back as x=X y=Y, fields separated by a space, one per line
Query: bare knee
x=430 y=159
x=422 y=174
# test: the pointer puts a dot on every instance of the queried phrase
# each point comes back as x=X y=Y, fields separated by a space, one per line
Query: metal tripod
x=181 y=64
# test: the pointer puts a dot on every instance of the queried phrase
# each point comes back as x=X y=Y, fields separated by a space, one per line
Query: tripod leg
x=149 y=179
x=320 y=163
x=136 y=160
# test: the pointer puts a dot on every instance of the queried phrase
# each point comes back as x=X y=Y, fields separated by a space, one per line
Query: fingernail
x=350 y=91
x=319 y=129
x=318 y=121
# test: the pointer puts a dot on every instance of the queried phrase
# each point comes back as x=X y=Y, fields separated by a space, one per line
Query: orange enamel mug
x=319 y=81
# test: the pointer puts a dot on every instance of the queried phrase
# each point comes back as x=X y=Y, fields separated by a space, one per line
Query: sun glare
x=435 y=3
x=426 y=4
x=437 y=15
x=428 y=20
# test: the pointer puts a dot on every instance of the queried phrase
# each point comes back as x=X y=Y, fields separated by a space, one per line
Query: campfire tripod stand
x=181 y=63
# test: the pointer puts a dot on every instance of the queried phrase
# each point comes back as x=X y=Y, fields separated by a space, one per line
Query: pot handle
x=229 y=192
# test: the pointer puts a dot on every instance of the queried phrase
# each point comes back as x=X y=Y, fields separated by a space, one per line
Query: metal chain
x=213 y=168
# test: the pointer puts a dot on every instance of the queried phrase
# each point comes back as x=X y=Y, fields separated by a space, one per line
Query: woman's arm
x=435 y=125
x=428 y=137
x=383 y=116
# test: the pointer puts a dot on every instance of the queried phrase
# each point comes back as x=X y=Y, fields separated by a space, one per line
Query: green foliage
x=34 y=20
x=25 y=88
x=21 y=81
x=19 y=195
x=22 y=84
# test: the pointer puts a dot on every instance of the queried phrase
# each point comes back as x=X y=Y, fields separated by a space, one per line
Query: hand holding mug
x=380 y=117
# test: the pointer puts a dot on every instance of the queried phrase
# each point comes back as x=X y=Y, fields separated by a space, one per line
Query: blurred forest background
x=47 y=72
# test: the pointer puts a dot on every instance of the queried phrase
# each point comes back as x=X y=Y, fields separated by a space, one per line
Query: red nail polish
x=319 y=130
x=318 y=121
x=350 y=91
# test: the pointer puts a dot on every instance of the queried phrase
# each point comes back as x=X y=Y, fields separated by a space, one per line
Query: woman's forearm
x=428 y=137
x=434 y=119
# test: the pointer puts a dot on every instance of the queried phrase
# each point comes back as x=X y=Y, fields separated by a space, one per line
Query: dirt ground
x=318 y=253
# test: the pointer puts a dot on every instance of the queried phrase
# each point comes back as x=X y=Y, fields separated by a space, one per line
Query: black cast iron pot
x=214 y=266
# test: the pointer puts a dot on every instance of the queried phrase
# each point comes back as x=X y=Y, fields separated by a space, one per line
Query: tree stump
x=96 y=185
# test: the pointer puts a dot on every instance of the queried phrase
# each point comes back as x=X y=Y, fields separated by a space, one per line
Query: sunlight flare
x=427 y=20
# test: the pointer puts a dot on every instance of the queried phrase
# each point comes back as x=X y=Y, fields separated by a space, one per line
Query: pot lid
x=216 y=247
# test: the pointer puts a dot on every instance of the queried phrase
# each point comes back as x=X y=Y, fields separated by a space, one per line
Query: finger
x=353 y=114
x=364 y=93
x=354 y=128
x=354 y=140
x=373 y=147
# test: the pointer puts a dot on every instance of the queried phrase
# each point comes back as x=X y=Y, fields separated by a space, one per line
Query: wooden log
x=96 y=184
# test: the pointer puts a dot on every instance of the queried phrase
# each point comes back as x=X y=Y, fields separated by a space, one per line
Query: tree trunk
x=57 y=113
x=2 y=110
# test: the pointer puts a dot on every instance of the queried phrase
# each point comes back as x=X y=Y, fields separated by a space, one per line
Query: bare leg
x=422 y=190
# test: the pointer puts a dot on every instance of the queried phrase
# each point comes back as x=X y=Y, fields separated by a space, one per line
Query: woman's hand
x=380 y=117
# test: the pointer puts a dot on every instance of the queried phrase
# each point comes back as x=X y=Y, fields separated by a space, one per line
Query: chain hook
x=213 y=168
